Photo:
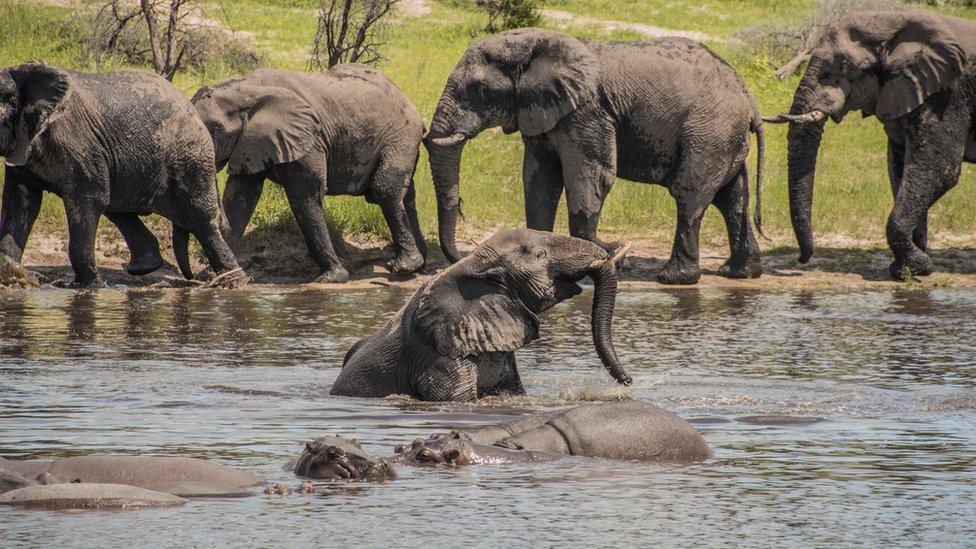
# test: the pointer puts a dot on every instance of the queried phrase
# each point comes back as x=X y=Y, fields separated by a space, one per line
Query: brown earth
x=278 y=257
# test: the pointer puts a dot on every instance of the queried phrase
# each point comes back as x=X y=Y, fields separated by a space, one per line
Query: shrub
x=349 y=31
x=511 y=14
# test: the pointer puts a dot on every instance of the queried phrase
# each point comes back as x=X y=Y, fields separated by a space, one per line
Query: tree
x=349 y=31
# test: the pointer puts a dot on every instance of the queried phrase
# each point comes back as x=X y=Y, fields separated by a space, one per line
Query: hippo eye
x=541 y=254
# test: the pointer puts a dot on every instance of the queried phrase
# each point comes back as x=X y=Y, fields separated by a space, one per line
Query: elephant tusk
x=808 y=118
x=618 y=254
x=448 y=141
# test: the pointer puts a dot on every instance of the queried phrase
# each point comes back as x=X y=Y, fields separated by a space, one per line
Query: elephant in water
x=630 y=430
x=122 y=144
x=916 y=72
x=455 y=339
x=667 y=111
x=117 y=481
x=348 y=131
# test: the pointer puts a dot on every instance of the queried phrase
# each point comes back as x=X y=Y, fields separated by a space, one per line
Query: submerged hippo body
x=630 y=430
x=173 y=475
x=88 y=496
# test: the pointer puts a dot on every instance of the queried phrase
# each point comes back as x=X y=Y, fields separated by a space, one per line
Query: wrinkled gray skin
x=666 y=111
x=89 y=496
x=123 y=144
x=186 y=477
x=915 y=71
x=630 y=430
x=349 y=131
x=455 y=339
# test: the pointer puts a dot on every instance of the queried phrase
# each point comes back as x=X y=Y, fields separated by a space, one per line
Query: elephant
x=915 y=72
x=627 y=430
x=455 y=338
x=665 y=111
x=186 y=477
x=123 y=144
x=348 y=131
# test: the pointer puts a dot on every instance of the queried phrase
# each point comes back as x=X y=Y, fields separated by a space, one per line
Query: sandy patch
x=564 y=19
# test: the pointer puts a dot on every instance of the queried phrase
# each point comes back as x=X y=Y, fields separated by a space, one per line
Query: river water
x=881 y=448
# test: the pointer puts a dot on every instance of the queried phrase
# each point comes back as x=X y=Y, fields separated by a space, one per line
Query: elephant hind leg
x=196 y=209
x=745 y=259
x=392 y=189
x=144 y=256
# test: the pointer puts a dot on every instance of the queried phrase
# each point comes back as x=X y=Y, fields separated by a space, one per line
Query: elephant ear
x=462 y=315
x=562 y=74
x=280 y=127
x=41 y=91
x=925 y=57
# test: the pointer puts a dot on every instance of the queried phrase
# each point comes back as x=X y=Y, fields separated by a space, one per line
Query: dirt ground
x=278 y=257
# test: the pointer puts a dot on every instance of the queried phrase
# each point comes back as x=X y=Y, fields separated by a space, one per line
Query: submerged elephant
x=188 y=477
x=665 y=111
x=123 y=144
x=915 y=71
x=630 y=430
x=349 y=131
x=455 y=339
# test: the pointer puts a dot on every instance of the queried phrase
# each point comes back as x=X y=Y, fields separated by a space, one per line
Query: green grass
x=852 y=193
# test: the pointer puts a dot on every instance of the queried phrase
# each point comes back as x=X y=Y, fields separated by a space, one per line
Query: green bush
x=511 y=14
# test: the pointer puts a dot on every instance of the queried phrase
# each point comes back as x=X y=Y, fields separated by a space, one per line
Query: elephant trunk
x=804 y=143
x=181 y=249
x=604 y=275
x=445 y=168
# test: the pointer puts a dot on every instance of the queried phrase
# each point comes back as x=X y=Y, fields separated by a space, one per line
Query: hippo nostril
x=417 y=443
x=452 y=455
x=399 y=449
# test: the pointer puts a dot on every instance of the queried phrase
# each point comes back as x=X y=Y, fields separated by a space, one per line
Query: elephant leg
x=449 y=380
x=390 y=186
x=542 y=180
x=410 y=205
x=933 y=164
x=305 y=198
x=586 y=190
x=196 y=209
x=83 y=217
x=241 y=195
x=144 y=256
x=896 y=171
x=18 y=211
x=498 y=375
x=745 y=259
x=682 y=267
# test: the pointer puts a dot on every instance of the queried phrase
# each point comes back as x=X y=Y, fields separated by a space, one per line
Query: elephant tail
x=757 y=129
x=181 y=249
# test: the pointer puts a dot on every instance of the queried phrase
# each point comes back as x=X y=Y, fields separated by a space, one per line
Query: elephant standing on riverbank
x=915 y=71
x=455 y=339
x=349 y=131
x=666 y=111
x=123 y=144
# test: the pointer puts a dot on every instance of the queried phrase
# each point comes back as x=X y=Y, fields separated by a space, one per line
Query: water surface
x=880 y=385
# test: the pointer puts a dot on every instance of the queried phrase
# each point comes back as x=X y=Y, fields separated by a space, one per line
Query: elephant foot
x=405 y=264
x=916 y=264
x=675 y=273
x=751 y=269
x=334 y=275
x=144 y=264
x=234 y=278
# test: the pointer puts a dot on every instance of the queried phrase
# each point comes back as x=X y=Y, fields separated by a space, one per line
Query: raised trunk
x=604 y=297
x=445 y=168
x=804 y=144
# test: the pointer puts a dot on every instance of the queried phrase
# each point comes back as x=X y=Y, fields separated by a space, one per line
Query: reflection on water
x=835 y=417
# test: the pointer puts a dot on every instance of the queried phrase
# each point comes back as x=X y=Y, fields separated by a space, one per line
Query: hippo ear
x=465 y=314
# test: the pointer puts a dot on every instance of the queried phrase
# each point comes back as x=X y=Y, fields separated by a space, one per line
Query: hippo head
x=439 y=449
x=337 y=458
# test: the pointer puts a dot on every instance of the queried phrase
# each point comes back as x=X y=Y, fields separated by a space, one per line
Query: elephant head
x=488 y=301
x=523 y=80
x=255 y=127
x=884 y=64
x=31 y=96
x=337 y=458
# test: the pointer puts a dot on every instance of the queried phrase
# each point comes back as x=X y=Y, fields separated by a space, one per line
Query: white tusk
x=808 y=118
x=448 y=141
x=618 y=254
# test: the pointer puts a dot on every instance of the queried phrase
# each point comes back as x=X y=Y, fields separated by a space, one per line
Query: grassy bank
x=852 y=195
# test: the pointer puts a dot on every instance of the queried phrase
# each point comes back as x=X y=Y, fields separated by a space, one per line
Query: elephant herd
x=666 y=111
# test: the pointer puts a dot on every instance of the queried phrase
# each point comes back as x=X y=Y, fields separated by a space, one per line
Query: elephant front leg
x=448 y=380
x=745 y=259
x=932 y=166
x=241 y=195
x=542 y=182
x=586 y=190
x=144 y=256
x=683 y=267
x=18 y=211
x=896 y=171
x=83 y=220
x=498 y=375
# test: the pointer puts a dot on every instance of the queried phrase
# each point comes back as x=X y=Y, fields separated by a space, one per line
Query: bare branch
x=348 y=31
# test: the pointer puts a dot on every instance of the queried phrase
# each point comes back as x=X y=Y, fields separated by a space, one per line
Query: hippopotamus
x=628 y=430
x=117 y=481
